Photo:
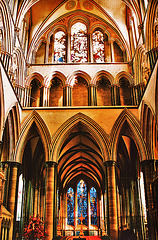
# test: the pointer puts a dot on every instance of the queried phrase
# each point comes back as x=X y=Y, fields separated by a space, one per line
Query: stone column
x=92 y=98
x=137 y=213
x=12 y=193
x=68 y=47
x=133 y=94
x=115 y=95
x=50 y=199
x=112 y=199
x=67 y=95
x=90 y=48
x=1 y=186
x=12 y=187
x=112 y=51
x=46 y=95
x=35 y=201
x=27 y=96
x=148 y=168
x=123 y=207
x=47 y=51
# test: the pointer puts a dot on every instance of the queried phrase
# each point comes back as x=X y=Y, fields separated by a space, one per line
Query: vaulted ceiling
x=42 y=15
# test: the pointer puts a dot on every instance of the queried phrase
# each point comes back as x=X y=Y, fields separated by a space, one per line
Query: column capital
x=67 y=86
x=12 y=163
x=92 y=85
x=50 y=164
x=110 y=163
x=111 y=40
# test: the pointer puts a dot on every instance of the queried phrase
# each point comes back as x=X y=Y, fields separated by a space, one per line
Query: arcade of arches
x=78 y=117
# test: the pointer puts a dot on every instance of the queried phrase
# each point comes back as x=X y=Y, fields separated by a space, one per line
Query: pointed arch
x=42 y=129
x=124 y=74
x=126 y=116
x=148 y=127
x=7 y=26
x=33 y=76
x=59 y=75
x=78 y=73
x=149 y=31
x=97 y=132
x=103 y=73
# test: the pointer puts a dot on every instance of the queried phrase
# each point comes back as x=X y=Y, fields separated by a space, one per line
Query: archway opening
x=31 y=181
x=36 y=93
x=56 y=93
x=130 y=184
x=103 y=92
x=81 y=186
x=80 y=92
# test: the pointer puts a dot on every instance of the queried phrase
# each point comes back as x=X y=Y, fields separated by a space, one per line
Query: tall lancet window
x=98 y=47
x=59 y=47
x=93 y=205
x=79 y=43
x=82 y=201
x=70 y=206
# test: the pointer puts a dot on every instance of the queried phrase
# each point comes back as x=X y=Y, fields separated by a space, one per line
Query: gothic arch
x=10 y=132
x=103 y=73
x=148 y=126
x=36 y=75
x=82 y=19
x=119 y=43
x=138 y=63
x=46 y=25
x=134 y=126
x=101 y=28
x=149 y=34
x=7 y=26
x=43 y=131
x=123 y=74
x=71 y=78
x=93 y=128
x=59 y=75
x=55 y=29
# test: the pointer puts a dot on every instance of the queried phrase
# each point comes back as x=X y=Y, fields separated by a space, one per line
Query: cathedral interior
x=78 y=117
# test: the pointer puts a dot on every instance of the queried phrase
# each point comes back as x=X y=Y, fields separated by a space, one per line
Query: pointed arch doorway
x=81 y=190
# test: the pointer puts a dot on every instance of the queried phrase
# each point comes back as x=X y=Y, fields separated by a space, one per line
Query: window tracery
x=82 y=201
x=59 y=47
x=98 y=46
x=82 y=204
x=93 y=205
x=70 y=206
x=79 y=44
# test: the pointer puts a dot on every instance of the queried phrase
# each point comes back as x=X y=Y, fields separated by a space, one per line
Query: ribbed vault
x=80 y=157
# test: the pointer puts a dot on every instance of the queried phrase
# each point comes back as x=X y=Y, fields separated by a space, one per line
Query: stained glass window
x=82 y=201
x=79 y=43
x=59 y=47
x=93 y=205
x=70 y=206
x=98 y=46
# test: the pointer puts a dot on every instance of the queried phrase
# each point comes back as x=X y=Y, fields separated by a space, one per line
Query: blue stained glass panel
x=70 y=206
x=93 y=205
x=82 y=201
